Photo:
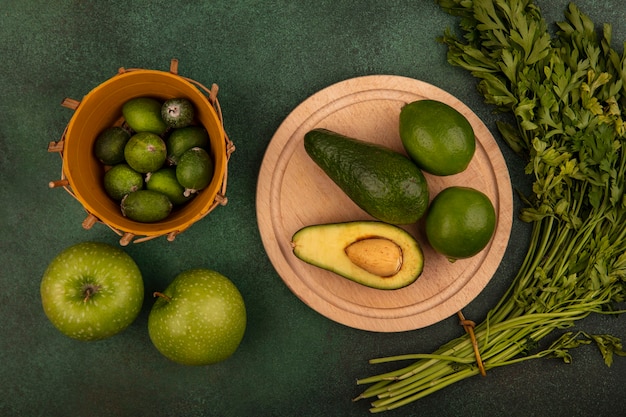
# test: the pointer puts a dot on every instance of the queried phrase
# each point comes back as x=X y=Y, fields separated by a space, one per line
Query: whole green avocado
x=384 y=183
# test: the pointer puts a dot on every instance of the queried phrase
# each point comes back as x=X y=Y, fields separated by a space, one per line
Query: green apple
x=91 y=291
x=199 y=319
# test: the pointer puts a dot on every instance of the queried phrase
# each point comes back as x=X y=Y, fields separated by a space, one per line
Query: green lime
x=145 y=152
x=460 y=222
x=178 y=112
x=437 y=137
x=165 y=182
x=146 y=206
x=109 y=145
x=183 y=139
x=143 y=114
x=194 y=170
x=121 y=180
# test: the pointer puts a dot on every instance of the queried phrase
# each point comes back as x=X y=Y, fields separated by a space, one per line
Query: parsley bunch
x=565 y=94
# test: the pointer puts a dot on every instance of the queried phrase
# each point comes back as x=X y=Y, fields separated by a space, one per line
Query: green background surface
x=266 y=57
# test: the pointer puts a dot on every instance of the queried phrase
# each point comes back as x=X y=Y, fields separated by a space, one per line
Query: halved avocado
x=372 y=253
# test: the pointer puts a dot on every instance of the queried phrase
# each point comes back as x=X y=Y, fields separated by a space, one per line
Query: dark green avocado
x=384 y=183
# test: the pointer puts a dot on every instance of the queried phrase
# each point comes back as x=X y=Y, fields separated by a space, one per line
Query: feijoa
x=109 y=145
x=145 y=152
x=165 y=182
x=194 y=170
x=121 y=180
x=146 y=206
x=178 y=112
x=143 y=114
x=183 y=139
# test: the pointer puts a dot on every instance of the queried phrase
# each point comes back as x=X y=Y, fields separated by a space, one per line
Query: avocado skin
x=384 y=183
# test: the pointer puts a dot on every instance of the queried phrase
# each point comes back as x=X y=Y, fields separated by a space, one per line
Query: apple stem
x=160 y=294
x=89 y=290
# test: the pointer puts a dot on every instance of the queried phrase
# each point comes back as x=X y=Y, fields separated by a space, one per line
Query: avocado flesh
x=325 y=246
x=384 y=183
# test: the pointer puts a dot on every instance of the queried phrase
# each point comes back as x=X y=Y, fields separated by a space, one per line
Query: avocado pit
x=377 y=255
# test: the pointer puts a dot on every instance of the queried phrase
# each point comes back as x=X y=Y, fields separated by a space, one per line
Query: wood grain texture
x=293 y=192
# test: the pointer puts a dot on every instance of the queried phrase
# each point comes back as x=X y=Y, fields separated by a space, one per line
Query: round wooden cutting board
x=294 y=192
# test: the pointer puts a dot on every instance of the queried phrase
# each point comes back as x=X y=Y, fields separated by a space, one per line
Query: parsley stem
x=565 y=92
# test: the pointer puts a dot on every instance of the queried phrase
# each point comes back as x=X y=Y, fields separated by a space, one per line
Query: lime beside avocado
x=143 y=114
x=145 y=152
x=460 y=222
x=437 y=137
x=194 y=170
x=178 y=112
x=121 y=180
x=109 y=145
x=146 y=206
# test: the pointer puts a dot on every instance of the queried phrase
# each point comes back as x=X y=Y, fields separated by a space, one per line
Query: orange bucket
x=102 y=107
